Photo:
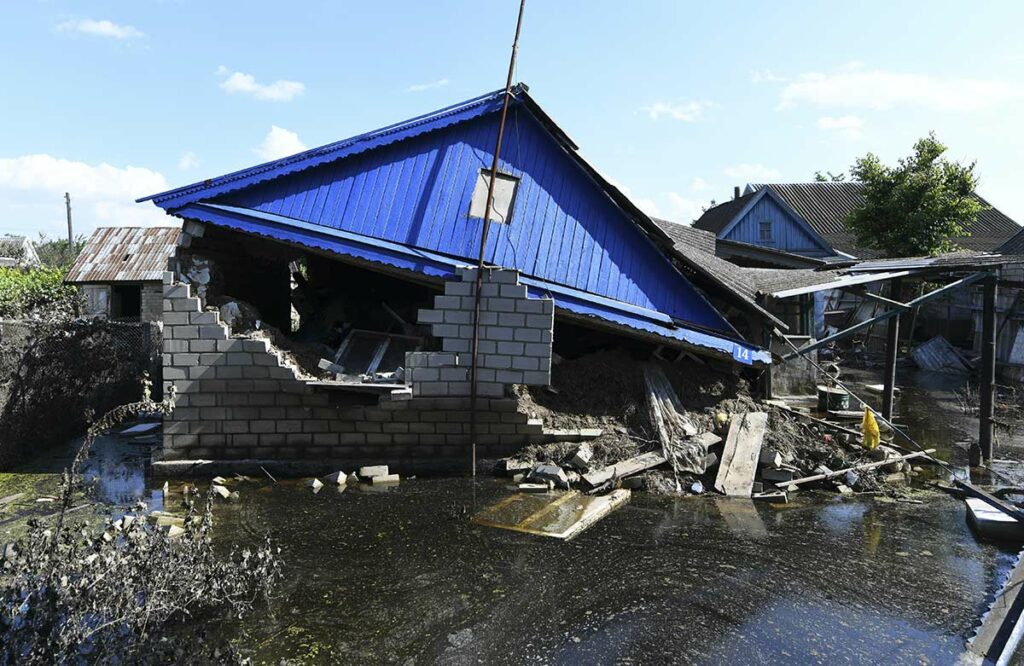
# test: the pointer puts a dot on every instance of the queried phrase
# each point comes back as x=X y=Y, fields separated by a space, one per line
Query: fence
x=55 y=376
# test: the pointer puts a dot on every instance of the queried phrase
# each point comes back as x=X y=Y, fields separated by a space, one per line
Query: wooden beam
x=855 y=468
x=845 y=333
x=989 y=499
x=864 y=293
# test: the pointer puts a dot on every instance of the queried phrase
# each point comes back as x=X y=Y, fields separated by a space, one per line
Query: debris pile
x=682 y=429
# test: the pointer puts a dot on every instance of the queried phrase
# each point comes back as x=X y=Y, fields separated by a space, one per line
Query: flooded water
x=400 y=574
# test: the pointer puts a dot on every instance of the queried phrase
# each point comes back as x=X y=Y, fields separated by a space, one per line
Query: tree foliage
x=56 y=252
x=918 y=207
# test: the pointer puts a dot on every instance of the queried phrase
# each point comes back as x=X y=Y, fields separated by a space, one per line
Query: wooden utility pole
x=473 y=417
x=71 y=236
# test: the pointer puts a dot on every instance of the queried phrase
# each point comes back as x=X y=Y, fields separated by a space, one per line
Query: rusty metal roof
x=125 y=254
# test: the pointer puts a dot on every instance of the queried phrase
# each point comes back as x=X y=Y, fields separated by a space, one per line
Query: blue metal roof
x=436 y=265
x=406 y=190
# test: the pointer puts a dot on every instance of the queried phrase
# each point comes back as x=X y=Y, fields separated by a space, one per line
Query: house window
x=504 y=196
x=765 y=232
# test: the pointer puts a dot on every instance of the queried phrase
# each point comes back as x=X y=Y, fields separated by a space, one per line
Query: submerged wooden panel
x=561 y=516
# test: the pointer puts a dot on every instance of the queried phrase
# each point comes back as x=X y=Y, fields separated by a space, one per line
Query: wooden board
x=742 y=450
x=624 y=468
x=561 y=517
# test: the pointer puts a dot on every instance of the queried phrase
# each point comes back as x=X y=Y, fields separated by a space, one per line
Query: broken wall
x=239 y=400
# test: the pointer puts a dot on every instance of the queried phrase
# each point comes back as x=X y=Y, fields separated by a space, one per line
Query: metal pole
x=988 y=367
x=892 y=344
x=483 y=244
x=71 y=237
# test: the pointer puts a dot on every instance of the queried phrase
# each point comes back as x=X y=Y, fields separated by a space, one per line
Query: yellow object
x=722 y=418
x=869 y=427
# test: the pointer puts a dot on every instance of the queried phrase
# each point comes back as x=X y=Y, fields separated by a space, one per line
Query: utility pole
x=71 y=236
x=483 y=244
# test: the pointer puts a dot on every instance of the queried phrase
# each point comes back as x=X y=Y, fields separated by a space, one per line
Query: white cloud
x=102 y=28
x=240 y=82
x=32 y=191
x=699 y=185
x=188 y=160
x=752 y=173
x=279 y=143
x=420 y=87
x=855 y=87
x=688 y=112
x=765 y=76
x=848 y=127
x=683 y=209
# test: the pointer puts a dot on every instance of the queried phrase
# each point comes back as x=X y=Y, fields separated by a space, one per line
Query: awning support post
x=892 y=344
x=988 y=367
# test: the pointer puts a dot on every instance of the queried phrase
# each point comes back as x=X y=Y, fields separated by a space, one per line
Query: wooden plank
x=562 y=517
x=742 y=450
x=992 y=500
x=625 y=468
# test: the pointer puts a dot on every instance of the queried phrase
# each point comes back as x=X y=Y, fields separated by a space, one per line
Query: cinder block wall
x=237 y=399
x=515 y=337
x=152 y=301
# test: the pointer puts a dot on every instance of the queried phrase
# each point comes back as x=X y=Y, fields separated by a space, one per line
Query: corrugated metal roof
x=1013 y=246
x=125 y=254
x=826 y=205
x=718 y=217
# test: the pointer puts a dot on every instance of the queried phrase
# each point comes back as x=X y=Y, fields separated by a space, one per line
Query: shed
x=120 y=271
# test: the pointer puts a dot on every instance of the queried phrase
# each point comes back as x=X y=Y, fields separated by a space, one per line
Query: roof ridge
x=328 y=148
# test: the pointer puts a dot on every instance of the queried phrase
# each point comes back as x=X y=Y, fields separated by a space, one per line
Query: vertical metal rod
x=483 y=244
x=892 y=344
x=988 y=367
x=71 y=237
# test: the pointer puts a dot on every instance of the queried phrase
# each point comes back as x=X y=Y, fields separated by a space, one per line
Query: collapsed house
x=323 y=304
x=120 y=272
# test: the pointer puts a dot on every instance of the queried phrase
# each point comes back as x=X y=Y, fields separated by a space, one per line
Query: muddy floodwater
x=401 y=574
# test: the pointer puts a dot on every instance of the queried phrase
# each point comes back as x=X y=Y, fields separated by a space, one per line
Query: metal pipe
x=845 y=333
x=892 y=345
x=483 y=245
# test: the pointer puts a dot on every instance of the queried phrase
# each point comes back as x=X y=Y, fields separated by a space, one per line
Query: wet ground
x=402 y=576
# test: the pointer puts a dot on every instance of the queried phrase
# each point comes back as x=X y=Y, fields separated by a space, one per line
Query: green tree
x=829 y=177
x=918 y=207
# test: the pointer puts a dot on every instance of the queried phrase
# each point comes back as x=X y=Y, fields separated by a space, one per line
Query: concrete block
x=186 y=360
x=213 y=332
x=513 y=291
x=183 y=332
x=430 y=316
x=509 y=377
x=371 y=471
x=512 y=319
x=503 y=276
x=536 y=378
x=454 y=374
x=511 y=348
x=445 y=330
x=458 y=317
x=530 y=306
x=256 y=345
x=185 y=305
x=167 y=277
x=525 y=363
x=238 y=358
x=455 y=345
x=175 y=318
x=498 y=361
x=498 y=333
x=171 y=373
x=176 y=291
x=538 y=349
x=431 y=388
x=203 y=318
x=544 y=322
x=171 y=345
x=501 y=304
x=452 y=288
x=202 y=345
x=230 y=344
x=447 y=302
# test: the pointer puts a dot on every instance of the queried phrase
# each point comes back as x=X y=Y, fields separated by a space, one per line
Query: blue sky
x=675 y=101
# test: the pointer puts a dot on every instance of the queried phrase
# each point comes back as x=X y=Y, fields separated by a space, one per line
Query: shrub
x=36 y=293
x=71 y=594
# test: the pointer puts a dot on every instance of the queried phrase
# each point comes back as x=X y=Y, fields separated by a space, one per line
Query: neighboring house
x=120 y=271
x=18 y=251
x=808 y=219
